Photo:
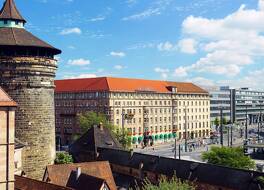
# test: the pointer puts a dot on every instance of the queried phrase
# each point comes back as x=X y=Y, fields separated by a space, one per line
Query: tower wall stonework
x=30 y=82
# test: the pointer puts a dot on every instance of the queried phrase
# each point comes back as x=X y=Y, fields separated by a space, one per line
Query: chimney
x=78 y=173
x=101 y=127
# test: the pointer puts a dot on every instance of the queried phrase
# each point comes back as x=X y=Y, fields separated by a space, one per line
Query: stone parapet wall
x=30 y=82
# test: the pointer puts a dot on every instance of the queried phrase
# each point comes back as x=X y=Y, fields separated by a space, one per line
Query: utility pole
x=186 y=143
x=123 y=125
x=259 y=121
x=175 y=149
x=221 y=126
x=179 y=151
x=228 y=140
x=246 y=128
x=231 y=140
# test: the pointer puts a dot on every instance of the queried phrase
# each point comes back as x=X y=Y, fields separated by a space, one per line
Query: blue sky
x=209 y=42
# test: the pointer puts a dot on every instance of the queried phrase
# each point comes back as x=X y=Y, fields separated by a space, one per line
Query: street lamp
x=221 y=126
x=246 y=128
x=186 y=143
x=259 y=121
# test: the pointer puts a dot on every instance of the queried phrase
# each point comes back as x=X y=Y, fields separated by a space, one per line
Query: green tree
x=165 y=184
x=229 y=157
x=217 y=121
x=224 y=121
x=63 y=158
x=89 y=119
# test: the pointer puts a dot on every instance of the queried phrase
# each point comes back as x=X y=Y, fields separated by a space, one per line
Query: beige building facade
x=155 y=108
x=7 y=141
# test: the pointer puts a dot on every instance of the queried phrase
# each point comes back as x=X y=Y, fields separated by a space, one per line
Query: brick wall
x=30 y=82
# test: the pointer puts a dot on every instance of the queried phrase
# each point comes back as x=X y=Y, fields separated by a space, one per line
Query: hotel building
x=159 y=108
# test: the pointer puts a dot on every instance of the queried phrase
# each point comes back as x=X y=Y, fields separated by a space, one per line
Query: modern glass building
x=236 y=104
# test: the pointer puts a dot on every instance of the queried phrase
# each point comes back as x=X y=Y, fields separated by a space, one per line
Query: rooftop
x=5 y=100
x=13 y=36
x=61 y=174
x=89 y=142
x=213 y=175
x=124 y=85
x=23 y=183
x=10 y=12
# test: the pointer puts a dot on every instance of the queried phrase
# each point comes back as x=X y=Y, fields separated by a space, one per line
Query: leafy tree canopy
x=216 y=121
x=63 y=158
x=229 y=157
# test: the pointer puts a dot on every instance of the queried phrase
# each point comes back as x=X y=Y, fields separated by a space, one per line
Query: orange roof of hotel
x=5 y=100
x=124 y=85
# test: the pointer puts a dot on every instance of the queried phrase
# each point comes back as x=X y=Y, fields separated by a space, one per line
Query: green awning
x=165 y=136
x=140 y=139
x=156 y=137
x=174 y=135
x=161 y=136
x=169 y=136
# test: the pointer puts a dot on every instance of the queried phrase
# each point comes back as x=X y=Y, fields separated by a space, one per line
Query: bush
x=229 y=157
x=165 y=184
x=63 y=158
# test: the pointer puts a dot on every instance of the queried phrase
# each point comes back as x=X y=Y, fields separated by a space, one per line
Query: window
x=5 y=22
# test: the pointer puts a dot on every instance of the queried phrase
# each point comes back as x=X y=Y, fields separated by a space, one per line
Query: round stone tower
x=27 y=72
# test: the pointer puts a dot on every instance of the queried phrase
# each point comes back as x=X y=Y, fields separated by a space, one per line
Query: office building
x=158 y=108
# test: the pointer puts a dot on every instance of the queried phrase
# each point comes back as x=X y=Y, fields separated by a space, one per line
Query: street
x=194 y=154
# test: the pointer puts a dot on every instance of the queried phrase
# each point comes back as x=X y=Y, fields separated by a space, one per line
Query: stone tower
x=27 y=72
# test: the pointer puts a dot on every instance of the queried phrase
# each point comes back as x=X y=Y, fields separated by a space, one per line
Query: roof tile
x=124 y=85
x=5 y=100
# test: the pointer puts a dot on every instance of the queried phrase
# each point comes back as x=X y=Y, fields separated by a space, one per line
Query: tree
x=165 y=184
x=89 y=119
x=229 y=157
x=217 y=121
x=224 y=121
x=63 y=158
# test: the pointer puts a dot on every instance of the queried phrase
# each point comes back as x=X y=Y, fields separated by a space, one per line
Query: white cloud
x=187 y=45
x=118 y=67
x=166 y=46
x=71 y=47
x=261 y=5
x=96 y=19
x=79 y=62
x=163 y=72
x=117 y=54
x=230 y=44
x=156 y=8
x=88 y=75
x=68 y=31
x=201 y=81
x=147 y=13
x=254 y=79
x=181 y=72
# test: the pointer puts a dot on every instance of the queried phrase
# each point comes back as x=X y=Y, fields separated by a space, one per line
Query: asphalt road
x=167 y=150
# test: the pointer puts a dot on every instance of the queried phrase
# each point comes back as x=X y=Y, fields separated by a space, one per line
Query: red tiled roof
x=124 y=85
x=5 y=100
x=59 y=174
x=23 y=183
